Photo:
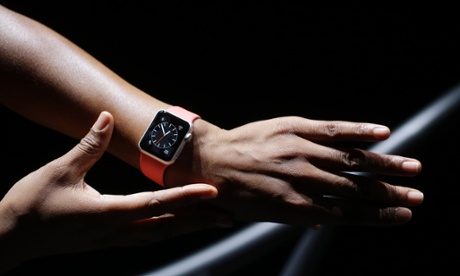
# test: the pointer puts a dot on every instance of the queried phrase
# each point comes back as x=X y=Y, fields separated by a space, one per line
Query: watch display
x=163 y=141
x=165 y=136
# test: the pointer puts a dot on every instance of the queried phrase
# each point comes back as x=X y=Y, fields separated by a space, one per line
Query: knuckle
x=287 y=125
x=90 y=144
x=348 y=185
x=331 y=129
x=155 y=204
x=395 y=194
x=353 y=158
x=391 y=161
x=387 y=214
x=361 y=129
x=362 y=190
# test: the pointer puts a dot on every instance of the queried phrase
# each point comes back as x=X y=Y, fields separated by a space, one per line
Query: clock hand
x=161 y=138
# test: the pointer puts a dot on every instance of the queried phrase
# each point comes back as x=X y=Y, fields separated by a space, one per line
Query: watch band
x=153 y=168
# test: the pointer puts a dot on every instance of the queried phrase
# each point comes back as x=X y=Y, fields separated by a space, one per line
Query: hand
x=293 y=170
x=53 y=210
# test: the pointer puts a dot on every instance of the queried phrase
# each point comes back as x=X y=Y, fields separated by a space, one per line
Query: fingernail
x=403 y=214
x=411 y=166
x=101 y=122
x=415 y=197
x=380 y=131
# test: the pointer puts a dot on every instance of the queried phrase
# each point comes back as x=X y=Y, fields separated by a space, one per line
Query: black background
x=234 y=62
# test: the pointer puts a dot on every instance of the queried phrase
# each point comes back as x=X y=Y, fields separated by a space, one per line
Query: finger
x=312 y=208
x=321 y=131
x=354 y=159
x=91 y=147
x=357 y=187
x=343 y=212
x=149 y=204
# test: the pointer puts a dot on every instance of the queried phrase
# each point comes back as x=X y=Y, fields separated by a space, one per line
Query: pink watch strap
x=183 y=113
x=154 y=169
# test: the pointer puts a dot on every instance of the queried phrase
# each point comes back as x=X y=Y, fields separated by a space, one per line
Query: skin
x=67 y=215
x=286 y=169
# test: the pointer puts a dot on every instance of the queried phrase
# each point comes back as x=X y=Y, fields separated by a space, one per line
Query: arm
x=41 y=70
x=53 y=210
x=275 y=170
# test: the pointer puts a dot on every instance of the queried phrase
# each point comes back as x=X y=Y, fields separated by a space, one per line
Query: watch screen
x=164 y=136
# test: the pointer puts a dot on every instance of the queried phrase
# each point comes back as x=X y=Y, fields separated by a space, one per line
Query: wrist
x=164 y=140
x=192 y=164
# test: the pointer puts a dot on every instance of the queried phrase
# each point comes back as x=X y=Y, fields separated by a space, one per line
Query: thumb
x=91 y=147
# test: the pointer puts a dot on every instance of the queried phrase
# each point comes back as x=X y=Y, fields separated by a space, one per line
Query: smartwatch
x=164 y=140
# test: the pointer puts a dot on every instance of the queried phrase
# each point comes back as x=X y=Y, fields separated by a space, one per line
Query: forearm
x=281 y=170
x=51 y=81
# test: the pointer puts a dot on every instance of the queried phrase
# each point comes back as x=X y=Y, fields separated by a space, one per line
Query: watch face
x=165 y=136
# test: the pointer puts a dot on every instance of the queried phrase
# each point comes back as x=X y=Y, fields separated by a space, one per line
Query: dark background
x=234 y=62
